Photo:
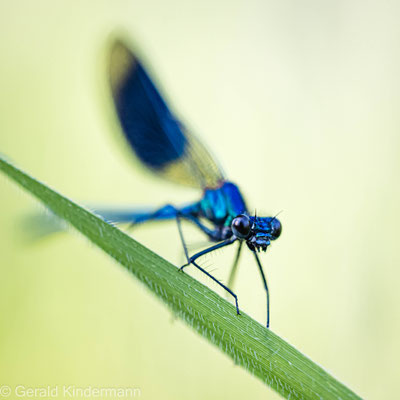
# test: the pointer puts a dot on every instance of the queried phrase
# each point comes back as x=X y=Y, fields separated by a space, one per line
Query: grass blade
x=249 y=344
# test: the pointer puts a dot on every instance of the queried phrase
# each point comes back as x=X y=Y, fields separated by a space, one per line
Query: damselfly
x=165 y=147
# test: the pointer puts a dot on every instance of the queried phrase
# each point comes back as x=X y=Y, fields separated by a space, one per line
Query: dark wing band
x=158 y=139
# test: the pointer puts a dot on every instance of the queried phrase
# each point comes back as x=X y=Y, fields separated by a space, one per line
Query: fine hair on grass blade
x=250 y=345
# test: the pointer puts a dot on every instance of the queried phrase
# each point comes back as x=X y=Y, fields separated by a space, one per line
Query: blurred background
x=298 y=100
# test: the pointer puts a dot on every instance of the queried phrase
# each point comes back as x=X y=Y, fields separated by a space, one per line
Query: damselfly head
x=257 y=231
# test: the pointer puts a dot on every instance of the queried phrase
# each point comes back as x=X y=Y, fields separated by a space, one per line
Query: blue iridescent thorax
x=221 y=205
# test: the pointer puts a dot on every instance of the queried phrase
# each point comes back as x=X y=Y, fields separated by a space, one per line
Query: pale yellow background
x=299 y=101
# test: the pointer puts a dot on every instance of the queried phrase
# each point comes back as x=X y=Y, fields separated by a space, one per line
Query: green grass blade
x=249 y=344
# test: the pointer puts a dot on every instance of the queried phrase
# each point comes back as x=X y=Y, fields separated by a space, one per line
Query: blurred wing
x=158 y=139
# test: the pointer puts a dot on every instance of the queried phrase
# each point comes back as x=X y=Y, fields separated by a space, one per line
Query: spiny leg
x=178 y=222
x=219 y=283
x=234 y=266
x=226 y=242
x=196 y=245
x=193 y=258
x=265 y=284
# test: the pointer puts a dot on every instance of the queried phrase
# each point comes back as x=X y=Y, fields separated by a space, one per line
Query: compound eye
x=276 y=228
x=241 y=226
